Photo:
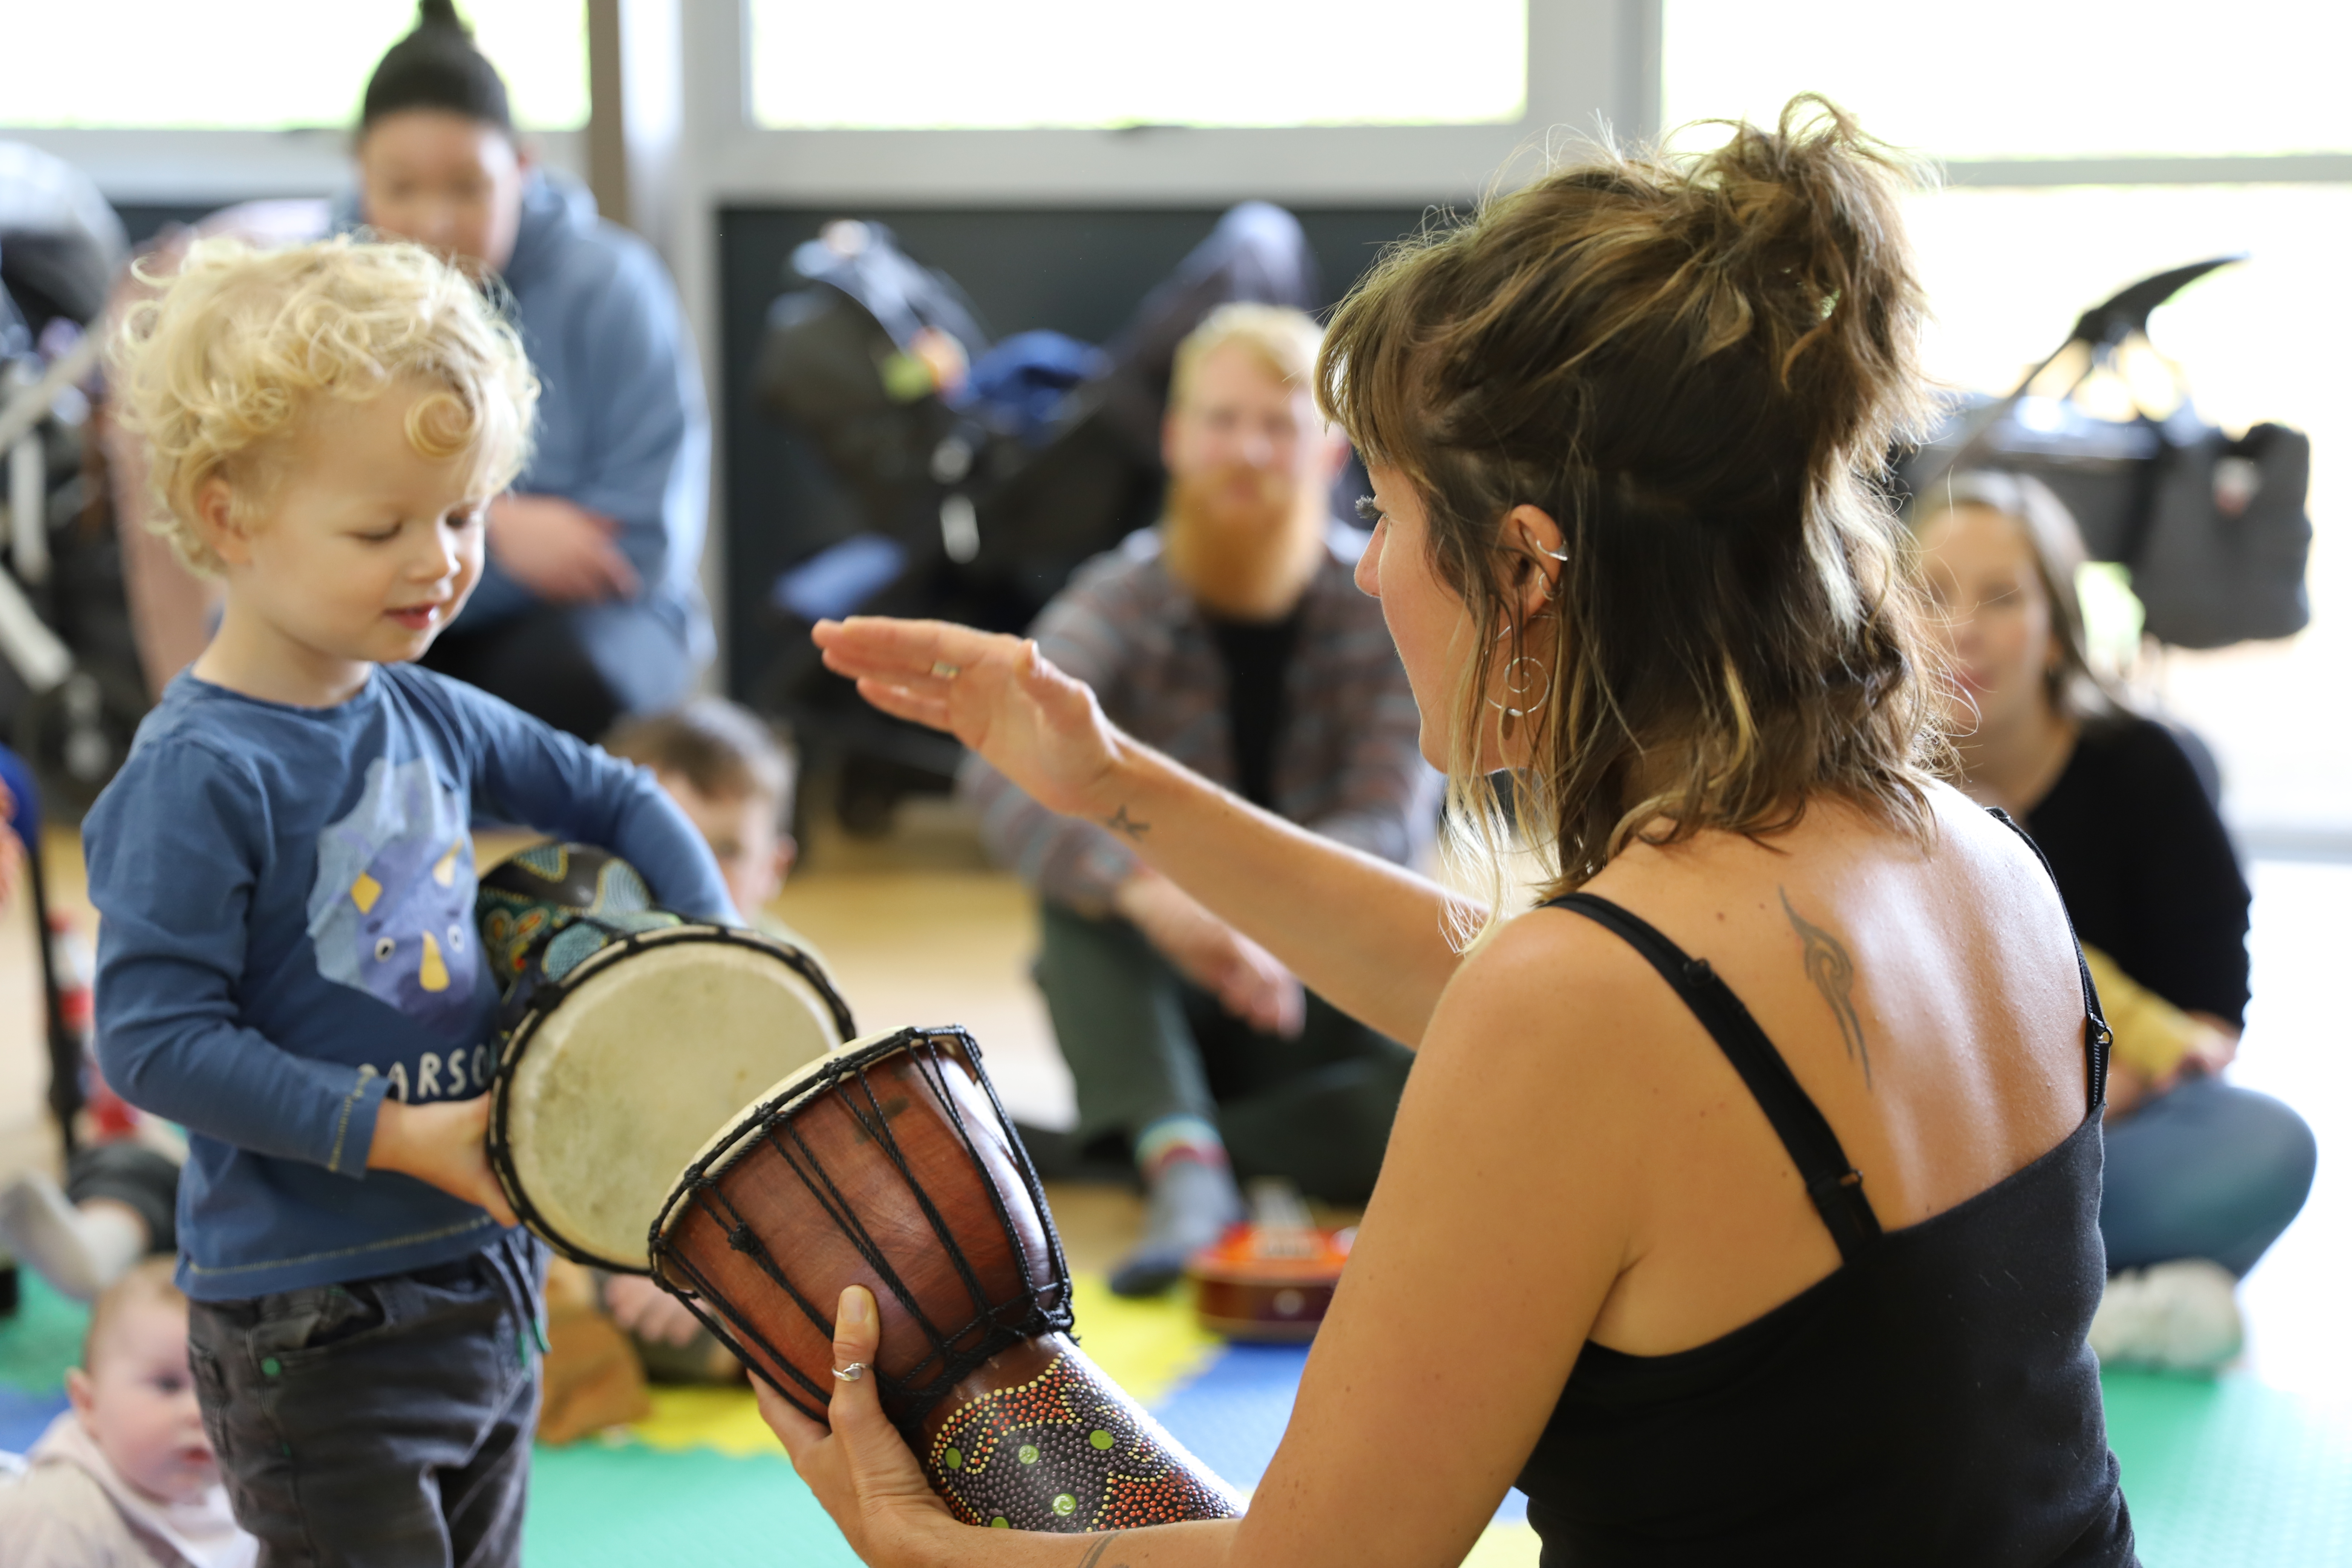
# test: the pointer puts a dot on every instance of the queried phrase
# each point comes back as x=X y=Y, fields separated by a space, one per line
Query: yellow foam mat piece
x=723 y=1420
x=1506 y=1546
x=1147 y=1347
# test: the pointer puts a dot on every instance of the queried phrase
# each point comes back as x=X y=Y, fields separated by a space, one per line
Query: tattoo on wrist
x=1830 y=969
x=1119 y=822
x=1094 y=1556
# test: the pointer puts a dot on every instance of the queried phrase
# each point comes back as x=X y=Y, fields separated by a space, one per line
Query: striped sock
x=1178 y=1137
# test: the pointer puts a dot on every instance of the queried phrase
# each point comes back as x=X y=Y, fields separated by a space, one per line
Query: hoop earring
x=1517 y=684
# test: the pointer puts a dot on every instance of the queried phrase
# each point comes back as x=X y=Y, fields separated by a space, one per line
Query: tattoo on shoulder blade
x=1830 y=969
x=1095 y=1554
x=1119 y=822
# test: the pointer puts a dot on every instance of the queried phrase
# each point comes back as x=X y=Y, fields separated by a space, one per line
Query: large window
x=2028 y=78
x=2121 y=95
x=265 y=65
x=1088 y=64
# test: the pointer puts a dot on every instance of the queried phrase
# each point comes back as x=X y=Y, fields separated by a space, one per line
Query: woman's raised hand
x=996 y=694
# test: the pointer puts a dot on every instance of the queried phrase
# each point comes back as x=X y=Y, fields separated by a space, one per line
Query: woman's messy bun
x=1696 y=363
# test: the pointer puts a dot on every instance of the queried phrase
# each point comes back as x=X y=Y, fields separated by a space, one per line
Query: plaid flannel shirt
x=1348 y=760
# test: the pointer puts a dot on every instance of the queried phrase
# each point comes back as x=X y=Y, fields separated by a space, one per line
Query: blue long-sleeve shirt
x=623 y=427
x=286 y=935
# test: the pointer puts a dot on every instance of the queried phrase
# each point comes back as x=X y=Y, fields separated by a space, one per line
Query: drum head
x=610 y=1092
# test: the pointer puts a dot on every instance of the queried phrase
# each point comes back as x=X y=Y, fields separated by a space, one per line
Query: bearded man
x=1231 y=638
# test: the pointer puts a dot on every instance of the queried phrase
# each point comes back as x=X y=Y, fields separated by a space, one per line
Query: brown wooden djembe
x=890 y=1163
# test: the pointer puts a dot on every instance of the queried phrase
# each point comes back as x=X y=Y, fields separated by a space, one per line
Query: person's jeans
x=1142 y=1043
x=2209 y=1171
x=383 y=1423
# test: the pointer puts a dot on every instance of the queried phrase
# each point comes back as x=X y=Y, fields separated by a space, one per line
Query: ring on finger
x=851 y=1373
x=945 y=670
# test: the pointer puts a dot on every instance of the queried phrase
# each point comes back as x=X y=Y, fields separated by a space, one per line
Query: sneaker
x=1192 y=1203
x=2175 y=1317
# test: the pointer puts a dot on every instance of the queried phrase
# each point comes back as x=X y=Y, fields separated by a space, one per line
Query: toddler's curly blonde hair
x=220 y=369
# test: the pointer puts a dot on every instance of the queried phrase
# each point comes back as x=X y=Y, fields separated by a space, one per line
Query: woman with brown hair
x=2202 y=1175
x=1742 y=1204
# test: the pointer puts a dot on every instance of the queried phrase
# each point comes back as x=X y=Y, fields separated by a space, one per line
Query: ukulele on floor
x=1270 y=1278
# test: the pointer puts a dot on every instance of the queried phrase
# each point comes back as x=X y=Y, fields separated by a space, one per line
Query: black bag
x=976 y=507
x=2214 y=529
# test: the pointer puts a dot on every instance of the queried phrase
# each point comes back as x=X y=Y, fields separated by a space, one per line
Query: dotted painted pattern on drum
x=1063 y=1453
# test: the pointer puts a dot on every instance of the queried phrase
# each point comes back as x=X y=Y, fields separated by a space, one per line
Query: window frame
x=171 y=166
x=1583 y=56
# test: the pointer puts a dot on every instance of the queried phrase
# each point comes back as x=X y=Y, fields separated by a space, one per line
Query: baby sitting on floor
x=126 y=1479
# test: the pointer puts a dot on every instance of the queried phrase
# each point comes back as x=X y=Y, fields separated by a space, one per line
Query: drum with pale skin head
x=628 y=1035
x=891 y=1164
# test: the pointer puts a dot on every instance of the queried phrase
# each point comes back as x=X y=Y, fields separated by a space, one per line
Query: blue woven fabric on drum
x=571 y=946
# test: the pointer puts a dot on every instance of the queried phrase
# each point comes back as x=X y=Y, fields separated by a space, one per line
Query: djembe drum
x=627 y=1034
x=891 y=1164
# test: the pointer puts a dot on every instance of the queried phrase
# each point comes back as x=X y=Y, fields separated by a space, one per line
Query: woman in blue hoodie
x=589 y=608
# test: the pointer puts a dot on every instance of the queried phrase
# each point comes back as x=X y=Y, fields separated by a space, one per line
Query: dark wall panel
x=1075 y=270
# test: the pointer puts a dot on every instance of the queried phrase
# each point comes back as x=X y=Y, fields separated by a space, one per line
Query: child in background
x=125 y=1479
x=285 y=873
x=733 y=777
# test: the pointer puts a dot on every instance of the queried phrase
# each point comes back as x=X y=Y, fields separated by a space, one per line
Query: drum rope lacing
x=999 y=1325
x=989 y=1316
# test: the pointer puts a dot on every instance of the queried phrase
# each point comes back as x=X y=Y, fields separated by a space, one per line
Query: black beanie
x=437 y=67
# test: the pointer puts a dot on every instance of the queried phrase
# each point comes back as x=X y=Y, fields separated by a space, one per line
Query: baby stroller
x=70 y=691
x=70 y=696
x=982 y=473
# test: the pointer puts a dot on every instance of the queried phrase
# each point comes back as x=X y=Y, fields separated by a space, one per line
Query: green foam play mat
x=2220 y=1473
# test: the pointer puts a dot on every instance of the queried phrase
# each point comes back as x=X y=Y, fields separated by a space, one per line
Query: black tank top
x=1933 y=1401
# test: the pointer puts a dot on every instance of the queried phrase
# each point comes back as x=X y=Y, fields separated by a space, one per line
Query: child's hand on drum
x=861 y=1469
x=643 y=1308
x=441 y=1145
x=998 y=695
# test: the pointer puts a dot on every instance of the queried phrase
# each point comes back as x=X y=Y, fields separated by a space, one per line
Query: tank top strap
x=1834 y=1185
x=2098 y=1040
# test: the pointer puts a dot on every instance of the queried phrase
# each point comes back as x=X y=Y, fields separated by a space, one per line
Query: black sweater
x=2145 y=865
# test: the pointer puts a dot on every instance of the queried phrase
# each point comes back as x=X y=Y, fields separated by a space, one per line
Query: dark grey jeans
x=383 y=1423
x=1143 y=1042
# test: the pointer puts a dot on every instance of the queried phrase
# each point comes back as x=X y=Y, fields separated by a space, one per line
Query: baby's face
x=138 y=1404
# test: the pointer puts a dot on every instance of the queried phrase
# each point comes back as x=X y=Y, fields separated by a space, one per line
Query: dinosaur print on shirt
x=392 y=911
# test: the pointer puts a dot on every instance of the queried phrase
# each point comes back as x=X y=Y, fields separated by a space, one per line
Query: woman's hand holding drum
x=871 y=1485
x=862 y=1471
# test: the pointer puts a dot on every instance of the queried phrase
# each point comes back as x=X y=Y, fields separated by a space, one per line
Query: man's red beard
x=1234 y=501
x=1232 y=530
